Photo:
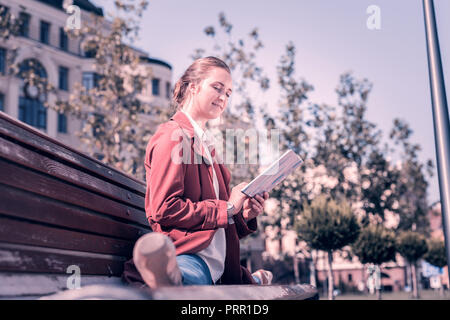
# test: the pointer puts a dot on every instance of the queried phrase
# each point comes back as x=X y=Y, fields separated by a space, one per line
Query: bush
x=375 y=244
x=412 y=246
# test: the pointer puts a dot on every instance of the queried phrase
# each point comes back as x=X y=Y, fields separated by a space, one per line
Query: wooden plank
x=112 y=291
x=23 y=204
x=30 y=136
x=22 y=258
x=237 y=292
x=24 y=232
x=197 y=292
x=19 y=154
x=22 y=178
x=17 y=285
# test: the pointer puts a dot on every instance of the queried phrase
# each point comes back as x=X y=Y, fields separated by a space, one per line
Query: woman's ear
x=192 y=88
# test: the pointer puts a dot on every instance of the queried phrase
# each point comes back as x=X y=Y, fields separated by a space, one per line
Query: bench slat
x=30 y=136
x=23 y=204
x=22 y=232
x=36 y=161
x=21 y=178
x=21 y=258
x=236 y=292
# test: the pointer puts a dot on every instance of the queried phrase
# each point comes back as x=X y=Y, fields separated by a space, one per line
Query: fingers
x=257 y=205
x=252 y=203
x=264 y=195
x=260 y=199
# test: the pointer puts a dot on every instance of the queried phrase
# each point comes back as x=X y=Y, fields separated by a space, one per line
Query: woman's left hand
x=253 y=207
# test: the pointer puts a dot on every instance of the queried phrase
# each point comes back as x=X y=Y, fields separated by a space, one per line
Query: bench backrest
x=60 y=207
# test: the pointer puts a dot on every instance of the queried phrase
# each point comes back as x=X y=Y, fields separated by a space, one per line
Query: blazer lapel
x=196 y=143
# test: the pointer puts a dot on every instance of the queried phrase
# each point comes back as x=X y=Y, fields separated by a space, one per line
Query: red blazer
x=180 y=200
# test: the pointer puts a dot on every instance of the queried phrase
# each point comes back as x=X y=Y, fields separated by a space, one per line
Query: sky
x=331 y=37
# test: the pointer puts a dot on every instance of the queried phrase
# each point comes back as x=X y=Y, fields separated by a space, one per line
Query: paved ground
x=424 y=295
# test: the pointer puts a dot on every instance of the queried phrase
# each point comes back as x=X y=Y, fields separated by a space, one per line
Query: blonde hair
x=196 y=72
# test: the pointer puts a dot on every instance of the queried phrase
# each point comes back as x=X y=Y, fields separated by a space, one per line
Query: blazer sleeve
x=165 y=181
x=244 y=228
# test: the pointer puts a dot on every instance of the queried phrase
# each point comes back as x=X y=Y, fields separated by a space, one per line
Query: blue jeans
x=194 y=270
x=256 y=279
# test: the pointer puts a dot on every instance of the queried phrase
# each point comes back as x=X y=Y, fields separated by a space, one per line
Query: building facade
x=43 y=41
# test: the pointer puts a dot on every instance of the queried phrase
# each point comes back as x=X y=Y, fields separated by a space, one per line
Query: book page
x=274 y=174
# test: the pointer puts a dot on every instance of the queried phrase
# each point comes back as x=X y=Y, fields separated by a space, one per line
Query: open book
x=274 y=174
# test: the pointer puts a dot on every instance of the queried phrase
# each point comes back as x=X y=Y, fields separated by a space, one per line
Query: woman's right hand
x=237 y=197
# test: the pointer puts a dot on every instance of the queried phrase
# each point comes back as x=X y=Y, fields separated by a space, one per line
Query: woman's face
x=212 y=94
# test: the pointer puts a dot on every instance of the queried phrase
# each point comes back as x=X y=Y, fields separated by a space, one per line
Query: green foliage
x=112 y=112
x=9 y=24
x=359 y=136
x=411 y=184
x=327 y=225
x=436 y=254
x=375 y=244
x=411 y=245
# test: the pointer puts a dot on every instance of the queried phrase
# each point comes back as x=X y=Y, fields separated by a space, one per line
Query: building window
x=155 y=87
x=24 y=19
x=90 y=49
x=350 y=277
x=2 y=60
x=45 y=32
x=2 y=102
x=63 y=40
x=33 y=112
x=90 y=80
x=63 y=78
x=31 y=104
x=168 y=90
x=62 y=123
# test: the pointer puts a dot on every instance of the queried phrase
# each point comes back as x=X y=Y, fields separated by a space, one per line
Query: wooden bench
x=60 y=208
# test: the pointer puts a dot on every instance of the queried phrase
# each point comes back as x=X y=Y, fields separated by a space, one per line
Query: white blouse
x=214 y=254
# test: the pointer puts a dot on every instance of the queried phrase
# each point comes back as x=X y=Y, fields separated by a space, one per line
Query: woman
x=197 y=221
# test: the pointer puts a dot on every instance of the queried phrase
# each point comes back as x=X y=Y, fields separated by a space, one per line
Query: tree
x=378 y=183
x=411 y=185
x=359 y=136
x=436 y=255
x=291 y=121
x=328 y=225
x=376 y=245
x=112 y=112
x=9 y=24
x=412 y=246
x=347 y=154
